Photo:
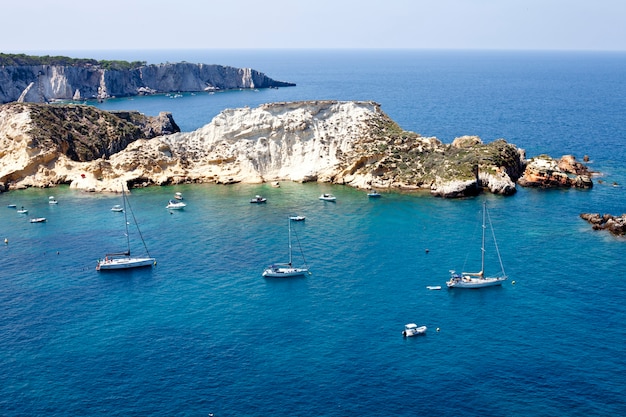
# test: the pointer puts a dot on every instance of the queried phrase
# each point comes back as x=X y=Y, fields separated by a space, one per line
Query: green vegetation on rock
x=83 y=133
x=394 y=155
x=17 y=60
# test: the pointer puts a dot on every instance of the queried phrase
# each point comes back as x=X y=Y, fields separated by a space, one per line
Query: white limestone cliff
x=44 y=83
x=280 y=141
x=288 y=141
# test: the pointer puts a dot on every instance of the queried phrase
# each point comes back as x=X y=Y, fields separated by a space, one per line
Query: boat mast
x=289 y=220
x=495 y=242
x=482 y=249
x=126 y=221
x=138 y=230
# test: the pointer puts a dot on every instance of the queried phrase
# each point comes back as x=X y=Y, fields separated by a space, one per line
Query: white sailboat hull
x=471 y=282
x=284 y=272
x=124 y=263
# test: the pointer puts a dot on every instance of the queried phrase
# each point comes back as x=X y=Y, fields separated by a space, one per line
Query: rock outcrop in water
x=351 y=143
x=44 y=83
x=546 y=172
x=614 y=224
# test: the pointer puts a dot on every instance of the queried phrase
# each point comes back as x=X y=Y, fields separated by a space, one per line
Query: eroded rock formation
x=546 y=172
x=614 y=224
x=42 y=145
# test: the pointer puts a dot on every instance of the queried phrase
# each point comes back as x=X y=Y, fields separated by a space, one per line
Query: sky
x=60 y=25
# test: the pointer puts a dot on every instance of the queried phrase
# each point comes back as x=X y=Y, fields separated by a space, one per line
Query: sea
x=203 y=333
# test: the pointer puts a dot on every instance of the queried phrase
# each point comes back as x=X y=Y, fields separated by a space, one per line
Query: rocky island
x=26 y=78
x=351 y=143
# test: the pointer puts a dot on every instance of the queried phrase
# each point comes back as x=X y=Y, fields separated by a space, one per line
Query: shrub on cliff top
x=17 y=60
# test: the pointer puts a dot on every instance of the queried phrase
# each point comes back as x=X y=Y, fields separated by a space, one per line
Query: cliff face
x=43 y=83
x=42 y=145
x=352 y=143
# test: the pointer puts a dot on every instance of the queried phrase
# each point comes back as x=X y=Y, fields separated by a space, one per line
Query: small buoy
x=512 y=282
x=427 y=250
x=6 y=240
x=437 y=328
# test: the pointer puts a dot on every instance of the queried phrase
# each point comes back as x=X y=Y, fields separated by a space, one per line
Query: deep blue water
x=203 y=332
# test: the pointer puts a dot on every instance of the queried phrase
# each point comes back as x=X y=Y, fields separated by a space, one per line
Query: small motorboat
x=373 y=194
x=175 y=205
x=258 y=199
x=52 y=200
x=328 y=197
x=411 y=329
x=434 y=287
x=11 y=206
x=117 y=208
x=178 y=196
x=38 y=220
x=22 y=211
x=276 y=184
x=297 y=218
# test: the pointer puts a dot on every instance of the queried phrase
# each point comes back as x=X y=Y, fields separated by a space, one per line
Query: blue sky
x=43 y=25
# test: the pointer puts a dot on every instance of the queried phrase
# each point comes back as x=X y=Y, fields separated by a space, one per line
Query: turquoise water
x=203 y=332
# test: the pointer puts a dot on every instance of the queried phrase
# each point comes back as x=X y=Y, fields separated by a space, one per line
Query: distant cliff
x=351 y=143
x=44 y=83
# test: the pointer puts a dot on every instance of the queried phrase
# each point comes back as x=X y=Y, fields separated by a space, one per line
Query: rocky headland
x=351 y=143
x=33 y=79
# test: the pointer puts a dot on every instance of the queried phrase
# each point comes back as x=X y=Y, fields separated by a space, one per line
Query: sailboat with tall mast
x=124 y=260
x=478 y=279
x=284 y=270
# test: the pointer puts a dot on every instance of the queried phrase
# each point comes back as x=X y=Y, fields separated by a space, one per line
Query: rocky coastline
x=350 y=143
x=47 y=83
